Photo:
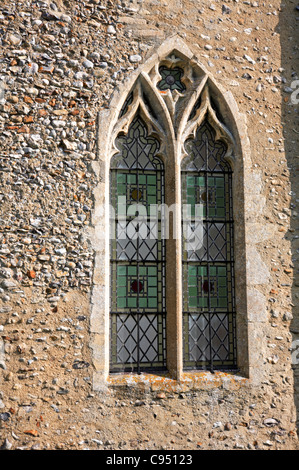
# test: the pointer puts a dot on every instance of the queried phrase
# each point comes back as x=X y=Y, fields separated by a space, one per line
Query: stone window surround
x=250 y=271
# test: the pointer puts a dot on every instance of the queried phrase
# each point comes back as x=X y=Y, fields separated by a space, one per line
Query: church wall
x=61 y=64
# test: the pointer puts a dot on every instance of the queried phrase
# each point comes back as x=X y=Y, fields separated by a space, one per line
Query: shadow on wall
x=288 y=29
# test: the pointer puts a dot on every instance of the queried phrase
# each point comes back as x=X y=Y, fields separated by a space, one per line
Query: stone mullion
x=173 y=267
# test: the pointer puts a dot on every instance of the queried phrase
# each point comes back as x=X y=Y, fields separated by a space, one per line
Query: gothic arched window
x=170 y=287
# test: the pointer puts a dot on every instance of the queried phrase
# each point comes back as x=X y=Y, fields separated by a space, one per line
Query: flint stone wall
x=60 y=64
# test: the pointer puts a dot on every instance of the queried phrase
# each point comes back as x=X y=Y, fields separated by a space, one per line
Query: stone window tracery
x=171 y=113
x=163 y=111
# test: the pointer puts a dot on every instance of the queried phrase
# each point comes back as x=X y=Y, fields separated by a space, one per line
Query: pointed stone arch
x=173 y=116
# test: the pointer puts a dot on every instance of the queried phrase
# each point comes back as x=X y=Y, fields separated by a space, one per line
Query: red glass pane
x=136 y=286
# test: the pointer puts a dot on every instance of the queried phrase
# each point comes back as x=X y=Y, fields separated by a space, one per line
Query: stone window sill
x=192 y=380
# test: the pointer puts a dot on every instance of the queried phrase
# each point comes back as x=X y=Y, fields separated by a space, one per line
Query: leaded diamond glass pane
x=137 y=253
x=137 y=340
x=137 y=150
x=208 y=338
x=204 y=153
x=207 y=248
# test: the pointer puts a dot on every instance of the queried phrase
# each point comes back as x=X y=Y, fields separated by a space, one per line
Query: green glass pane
x=132 y=270
x=121 y=281
x=192 y=291
x=132 y=302
x=202 y=303
x=152 y=281
x=152 y=292
x=192 y=281
x=192 y=302
x=152 y=200
x=142 y=303
x=201 y=181
x=219 y=182
x=121 y=303
x=213 y=271
x=223 y=303
x=121 y=291
x=152 y=271
x=121 y=178
x=190 y=180
x=151 y=190
x=131 y=178
x=152 y=180
x=152 y=303
x=121 y=189
x=142 y=271
x=192 y=271
x=221 y=271
x=121 y=270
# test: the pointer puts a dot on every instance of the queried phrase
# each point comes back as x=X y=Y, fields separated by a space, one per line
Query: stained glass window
x=171 y=79
x=208 y=264
x=137 y=254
